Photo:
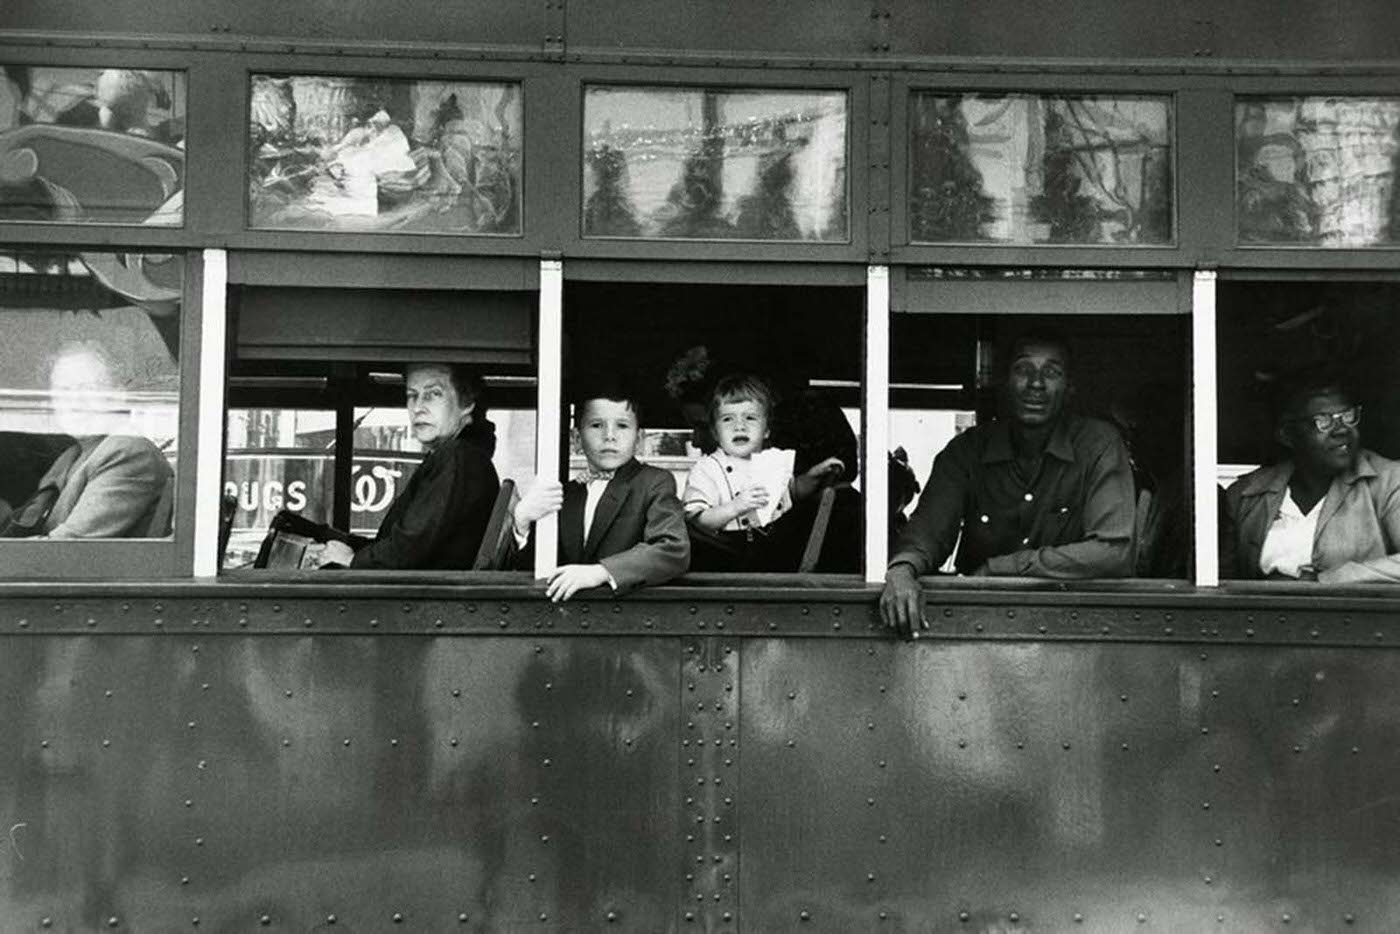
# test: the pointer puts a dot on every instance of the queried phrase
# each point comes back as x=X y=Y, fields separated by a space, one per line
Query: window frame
x=858 y=165
x=129 y=558
x=1171 y=294
x=1237 y=254
x=380 y=271
x=914 y=91
x=845 y=275
x=906 y=85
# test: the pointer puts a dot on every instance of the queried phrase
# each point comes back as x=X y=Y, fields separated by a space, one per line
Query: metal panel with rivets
x=200 y=779
x=695 y=759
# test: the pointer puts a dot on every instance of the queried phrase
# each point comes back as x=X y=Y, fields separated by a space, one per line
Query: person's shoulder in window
x=1329 y=510
x=112 y=490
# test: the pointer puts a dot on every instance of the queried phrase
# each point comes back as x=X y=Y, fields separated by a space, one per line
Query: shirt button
x=728 y=469
x=986 y=518
x=1028 y=497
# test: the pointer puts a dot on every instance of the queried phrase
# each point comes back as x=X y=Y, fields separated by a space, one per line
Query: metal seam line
x=1203 y=422
x=213 y=336
x=548 y=403
x=877 y=421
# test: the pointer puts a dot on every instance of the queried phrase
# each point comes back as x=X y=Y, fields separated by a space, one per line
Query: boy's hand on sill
x=571 y=578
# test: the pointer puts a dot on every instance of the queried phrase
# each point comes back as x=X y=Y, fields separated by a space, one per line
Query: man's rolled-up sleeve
x=702 y=489
x=932 y=531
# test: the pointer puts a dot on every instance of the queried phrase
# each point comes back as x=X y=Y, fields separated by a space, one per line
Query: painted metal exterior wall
x=293 y=758
x=1086 y=29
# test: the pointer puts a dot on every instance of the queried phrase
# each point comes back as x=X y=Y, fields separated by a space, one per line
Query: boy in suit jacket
x=621 y=524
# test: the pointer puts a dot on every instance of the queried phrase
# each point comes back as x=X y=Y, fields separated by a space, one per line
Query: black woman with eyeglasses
x=1329 y=512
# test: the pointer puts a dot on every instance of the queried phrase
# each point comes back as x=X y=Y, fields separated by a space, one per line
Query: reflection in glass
x=285 y=459
x=1317 y=171
x=277 y=459
x=92 y=145
x=338 y=153
x=690 y=163
x=89 y=394
x=1035 y=169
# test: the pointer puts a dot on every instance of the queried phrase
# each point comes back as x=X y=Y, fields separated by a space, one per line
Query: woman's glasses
x=1324 y=422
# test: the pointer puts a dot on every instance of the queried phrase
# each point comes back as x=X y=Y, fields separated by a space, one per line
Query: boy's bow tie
x=590 y=475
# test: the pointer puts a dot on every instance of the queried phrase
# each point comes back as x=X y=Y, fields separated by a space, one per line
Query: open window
x=1308 y=426
x=676 y=341
x=1126 y=397
x=90 y=422
x=317 y=424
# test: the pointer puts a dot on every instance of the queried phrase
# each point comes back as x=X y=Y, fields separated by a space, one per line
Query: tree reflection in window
x=704 y=164
x=1040 y=169
x=1317 y=171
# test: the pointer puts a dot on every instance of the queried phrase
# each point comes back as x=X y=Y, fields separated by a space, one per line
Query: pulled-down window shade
x=934 y=290
x=390 y=325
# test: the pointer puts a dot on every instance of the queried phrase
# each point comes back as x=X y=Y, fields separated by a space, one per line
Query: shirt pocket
x=1060 y=524
x=1061 y=518
x=993 y=528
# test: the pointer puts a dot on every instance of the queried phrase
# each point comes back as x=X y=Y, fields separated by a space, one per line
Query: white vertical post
x=1203 y=421
x=209 y=451
x=549 y=402
x=876 y=482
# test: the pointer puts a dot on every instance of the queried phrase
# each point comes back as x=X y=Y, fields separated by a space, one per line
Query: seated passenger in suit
x=620 y=524
x=1329 y=512
x=106 y=483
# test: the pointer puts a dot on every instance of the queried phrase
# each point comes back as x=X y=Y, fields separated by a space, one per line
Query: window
x=1113 y=472
x=92 y=145
x=380 y=154
x=89 y=394
x=1292 y=353
x=1317 y=171
x=709 y=164
x=1024 y=169
x=673 y=344
x=277 y=459
x=320 y=435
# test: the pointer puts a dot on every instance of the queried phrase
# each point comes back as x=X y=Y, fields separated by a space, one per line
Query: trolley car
x=260 y=211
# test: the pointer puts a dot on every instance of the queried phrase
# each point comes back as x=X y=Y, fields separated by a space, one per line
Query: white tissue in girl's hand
x=772 y=470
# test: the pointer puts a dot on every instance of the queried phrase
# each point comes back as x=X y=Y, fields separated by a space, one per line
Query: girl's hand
x=751 y=498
